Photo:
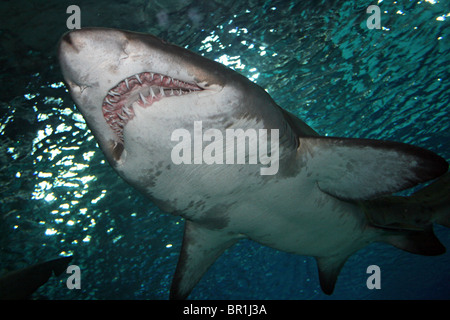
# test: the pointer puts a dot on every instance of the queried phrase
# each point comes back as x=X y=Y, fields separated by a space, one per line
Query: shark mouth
x=145 y=89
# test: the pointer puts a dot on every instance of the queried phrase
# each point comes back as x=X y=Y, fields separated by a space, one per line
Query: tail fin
x=407 y=222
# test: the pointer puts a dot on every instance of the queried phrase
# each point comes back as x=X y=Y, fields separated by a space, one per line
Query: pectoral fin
x=361 y=169
x=201 y=247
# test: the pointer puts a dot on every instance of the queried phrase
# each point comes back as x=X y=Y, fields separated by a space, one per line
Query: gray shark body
x=20 y=284
x=135 y=90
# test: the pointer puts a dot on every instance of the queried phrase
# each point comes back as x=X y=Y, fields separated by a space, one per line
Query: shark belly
x=307 y=223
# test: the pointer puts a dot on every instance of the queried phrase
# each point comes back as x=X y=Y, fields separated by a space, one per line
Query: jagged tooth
x=109 y=108
x=152 y=74
x=113 y=93
x=108 y=102
x=126 y=83
x=142 y=98
x=161 y=90
x=171 y=92
x=110 y=117
x=162 y=78
x=138 y=79
x=121 y=116
x=152 y=93
x=180 y=92
x=127 y=111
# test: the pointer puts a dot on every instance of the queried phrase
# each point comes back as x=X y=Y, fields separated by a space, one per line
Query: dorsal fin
x=200 y=248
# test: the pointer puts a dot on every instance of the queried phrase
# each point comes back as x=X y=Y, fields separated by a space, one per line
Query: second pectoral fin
x=201 y=247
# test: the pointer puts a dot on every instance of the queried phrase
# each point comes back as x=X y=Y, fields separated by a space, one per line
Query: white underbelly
x=312 y=223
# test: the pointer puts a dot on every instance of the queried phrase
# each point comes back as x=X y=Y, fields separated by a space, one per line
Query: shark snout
x=67 y=40
x=72 y=42
x=69 y=52
x=91 y=58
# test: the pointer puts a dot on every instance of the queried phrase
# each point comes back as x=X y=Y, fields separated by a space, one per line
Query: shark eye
x=145 y=89
x=117 y=150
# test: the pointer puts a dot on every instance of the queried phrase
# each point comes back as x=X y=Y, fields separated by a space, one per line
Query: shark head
x=134 y=90
x=118 y=78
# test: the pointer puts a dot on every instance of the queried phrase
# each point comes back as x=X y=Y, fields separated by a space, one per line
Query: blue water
x=317 y=59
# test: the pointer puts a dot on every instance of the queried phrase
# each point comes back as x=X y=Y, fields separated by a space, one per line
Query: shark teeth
x=143 y=88
x=138 y=79
x=153 y=95
x=144 y=100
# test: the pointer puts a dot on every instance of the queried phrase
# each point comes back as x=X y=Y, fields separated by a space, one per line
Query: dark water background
x=317 y=59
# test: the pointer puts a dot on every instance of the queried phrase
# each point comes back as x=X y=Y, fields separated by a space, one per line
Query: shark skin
x=21 y=284
x=327 y=199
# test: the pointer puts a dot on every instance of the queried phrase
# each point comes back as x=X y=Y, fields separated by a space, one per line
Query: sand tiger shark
x=329 y=197
x=21 y=284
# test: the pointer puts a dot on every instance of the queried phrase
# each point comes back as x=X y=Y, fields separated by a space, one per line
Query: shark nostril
x=71 y=41
x=67 y=38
